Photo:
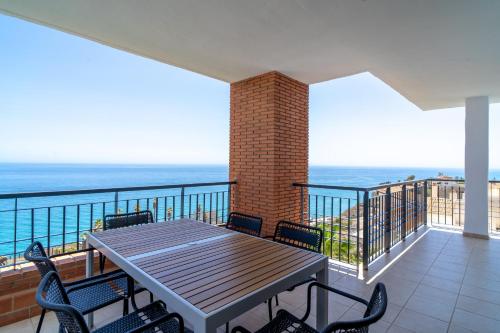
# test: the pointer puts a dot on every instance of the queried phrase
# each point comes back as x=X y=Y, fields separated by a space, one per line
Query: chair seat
x=140 y=317
x=286 y=322
x=138 y=288
x=96 y=296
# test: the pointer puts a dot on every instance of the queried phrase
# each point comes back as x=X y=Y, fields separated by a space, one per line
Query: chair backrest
x=35 y=253
x=127 y=219
x=374 y=311
x=52 y=296
x=378 y=303
x=244 y=223
x=299 y=235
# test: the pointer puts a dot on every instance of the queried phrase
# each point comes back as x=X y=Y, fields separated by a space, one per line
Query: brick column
x=269 y=139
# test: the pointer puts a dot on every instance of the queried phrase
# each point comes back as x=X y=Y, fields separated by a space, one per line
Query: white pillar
x=476 y=166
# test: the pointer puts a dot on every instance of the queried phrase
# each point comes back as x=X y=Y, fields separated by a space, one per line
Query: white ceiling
x=435 y=53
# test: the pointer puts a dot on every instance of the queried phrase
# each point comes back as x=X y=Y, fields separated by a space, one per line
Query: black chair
x=286 y=322
x=116 y=221
x=86 y=295
x=247 y=224
x=51 y=295
x=297 y=235
x=123 y=220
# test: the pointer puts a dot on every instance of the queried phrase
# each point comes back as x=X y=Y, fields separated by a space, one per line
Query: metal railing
x=494 y=205
x=446 y=207
x=59 y=219
x=362 y=223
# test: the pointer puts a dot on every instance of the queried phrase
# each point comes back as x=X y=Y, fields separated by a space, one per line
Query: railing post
x=425 y=201
x=387 y=221
x=228 y=201
x=182 y=203
x=302 y=205
x=15 y=232
x=366 y=233
x=415 y=207
x=358 y=228
x=404 y=212
x=116 y=202
x=155 y=207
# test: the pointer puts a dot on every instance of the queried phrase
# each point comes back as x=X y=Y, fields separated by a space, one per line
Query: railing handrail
x=408 y=182
x=330 y=187
x=461 y=180
x=109 y=190
x=360 y=189
x=448 y=180
x=381 y=186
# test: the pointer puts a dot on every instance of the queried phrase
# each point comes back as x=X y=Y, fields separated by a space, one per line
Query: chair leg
x=125 y=306
x=102 y=262
x=131 y=292
x=270 y=308
x=40 y=321
x=132 y=299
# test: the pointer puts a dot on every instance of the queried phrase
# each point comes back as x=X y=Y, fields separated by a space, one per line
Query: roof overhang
x=435 y=53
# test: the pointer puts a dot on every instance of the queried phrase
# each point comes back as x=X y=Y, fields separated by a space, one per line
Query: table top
x=145 y=239
x=208 y=266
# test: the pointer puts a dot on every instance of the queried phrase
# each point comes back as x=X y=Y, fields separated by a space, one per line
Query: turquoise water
x=15 y=178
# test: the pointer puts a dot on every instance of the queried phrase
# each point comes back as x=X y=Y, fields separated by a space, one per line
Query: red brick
x=12 y=317
x=25 y=299
x=5 y=304
x=35 y=310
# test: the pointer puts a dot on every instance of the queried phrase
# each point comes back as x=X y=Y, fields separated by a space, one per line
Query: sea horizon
x=220 y=164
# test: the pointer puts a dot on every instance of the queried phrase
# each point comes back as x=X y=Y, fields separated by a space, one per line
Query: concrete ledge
x=473 y=235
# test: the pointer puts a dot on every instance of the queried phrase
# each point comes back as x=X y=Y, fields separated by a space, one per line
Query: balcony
x=437 y=280
x=433 y=242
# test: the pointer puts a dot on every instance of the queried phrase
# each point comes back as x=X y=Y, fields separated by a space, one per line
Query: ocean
x=79 y=214
x=57 y=177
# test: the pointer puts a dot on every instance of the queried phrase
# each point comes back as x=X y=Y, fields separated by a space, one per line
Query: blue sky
x=69 y=100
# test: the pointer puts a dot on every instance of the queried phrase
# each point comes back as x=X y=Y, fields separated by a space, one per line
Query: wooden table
x=209 y=274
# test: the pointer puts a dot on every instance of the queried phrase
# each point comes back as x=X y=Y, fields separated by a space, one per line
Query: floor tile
x=436 y=282
x=474 y=322
x=459 y=329
x=420 y=323
x=436 y=294
x=432 y=308
x=478 y=306
x=480 y=293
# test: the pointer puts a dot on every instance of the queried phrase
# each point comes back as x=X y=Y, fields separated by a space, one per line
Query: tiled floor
x=438 y=282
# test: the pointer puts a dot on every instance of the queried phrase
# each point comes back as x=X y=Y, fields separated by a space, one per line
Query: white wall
x=476 y=165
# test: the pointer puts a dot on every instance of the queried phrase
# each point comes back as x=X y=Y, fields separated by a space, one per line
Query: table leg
x=204 y=326
x=322 y=298
x=89 y=271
